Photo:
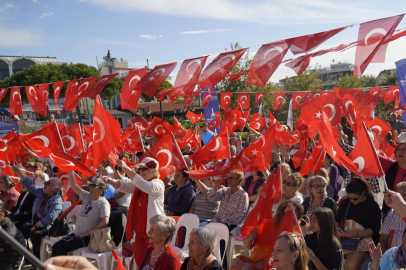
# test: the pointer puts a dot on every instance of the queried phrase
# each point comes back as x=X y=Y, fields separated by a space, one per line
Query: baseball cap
x=149 y=163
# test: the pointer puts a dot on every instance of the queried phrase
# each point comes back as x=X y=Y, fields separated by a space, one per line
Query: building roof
x=166 y=107
x=37 y=59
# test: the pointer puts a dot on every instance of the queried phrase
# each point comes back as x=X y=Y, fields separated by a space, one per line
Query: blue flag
x=212 y=107
x=401 y=72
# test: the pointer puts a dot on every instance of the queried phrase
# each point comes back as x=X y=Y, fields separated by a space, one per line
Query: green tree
x=308 y=81
x=111 y=90
x=240 y=85
x=349 y=82
x=368 y=81
x=390 y=79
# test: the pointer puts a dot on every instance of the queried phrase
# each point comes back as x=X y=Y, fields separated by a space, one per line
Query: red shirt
x=10 y=198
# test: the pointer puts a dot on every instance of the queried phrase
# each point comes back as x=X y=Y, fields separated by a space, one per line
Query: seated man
x=9 y=258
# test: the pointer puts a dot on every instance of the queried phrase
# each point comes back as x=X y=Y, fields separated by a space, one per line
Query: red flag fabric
x=106 y=133
x=141 y=123
x=57 y=91
x=315 y=160
x=166 y=151
x=242 y=121
x=72 y=139
x=159 y=128
x=71 y=94
x=266 y=61
x=271 y=118
x=49 y=137
x=257 y=122
x=43 y=90
x=299 y=64
x=150 y=83
x=278 y=100
x=194 y=118
x=133 y=142
x=390 y=94
x=130 y=93
x=219 y=68
x=217 y=148
x=297 y=99
x=191 y=138
x=161 y=95
x=225 y=100
x=215 y=123
x=78 y=92
x=37 y=102
x=207 y=96
x=237 y=75
x=187 y=78
x=375 y=90
x=373 y=39
x=68 y=193
x=219 y=169
x=98 y=87
x=16 y=107
x=379 y=127
x=178 y=130
x=383 y=147
x=3 y=92
x=301 y=154
x=283 y=135
x=306 y=43
x=258 y=97
x=243 y=99
x=365 y=157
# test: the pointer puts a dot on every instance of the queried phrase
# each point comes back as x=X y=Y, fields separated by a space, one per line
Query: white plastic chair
x=189 y=221
x=47 y=242
x=102 y=259
x=222 y=233
x=66 y=205
x=231 y=248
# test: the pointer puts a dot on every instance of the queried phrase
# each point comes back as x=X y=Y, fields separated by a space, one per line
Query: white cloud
x=36 y=1
x=150 y=37
x=9 y=6
x=46 y=14
x=11 y=38
x=265 y=12
x=203 y=31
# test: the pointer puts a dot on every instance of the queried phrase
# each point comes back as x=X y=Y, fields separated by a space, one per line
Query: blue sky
x=172 y=30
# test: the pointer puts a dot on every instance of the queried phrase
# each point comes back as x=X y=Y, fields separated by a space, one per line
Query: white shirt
x=125 y=200
x=40 y=182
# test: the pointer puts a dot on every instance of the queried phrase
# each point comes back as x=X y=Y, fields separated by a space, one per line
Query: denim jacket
x=52 y=209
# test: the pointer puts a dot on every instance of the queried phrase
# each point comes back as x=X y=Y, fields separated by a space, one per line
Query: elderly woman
x=8 y=194
x=316 y=188
x=147 y=200
x=94 y=215
x=160 y=255
x=323 y=172
x=201 y=248
x=201 y=206
x=180 y=196
x=47 y=207
x=290 y=190
x=234 y=200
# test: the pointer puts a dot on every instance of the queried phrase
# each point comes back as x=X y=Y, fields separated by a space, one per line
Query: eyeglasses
x=142 y=169
x=231 y=178
x=288 y=184
x=94 y=185
x=353 y=199
x=401 y=150
x=316 y=186
x=48 y=184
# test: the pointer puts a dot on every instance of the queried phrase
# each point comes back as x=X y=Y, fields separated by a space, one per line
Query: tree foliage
x=112 y=89
x=369 y=81
x=390 y=79
x=349 y=82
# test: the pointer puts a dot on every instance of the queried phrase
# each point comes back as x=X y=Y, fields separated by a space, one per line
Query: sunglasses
x=316 y=186
x=94 y=185
x=142 y=169
x=353 y=199
x=288 y=184
x=231 y=178
x=48 y=184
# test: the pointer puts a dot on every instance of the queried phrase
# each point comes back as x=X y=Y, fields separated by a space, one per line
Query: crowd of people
x=343 y=225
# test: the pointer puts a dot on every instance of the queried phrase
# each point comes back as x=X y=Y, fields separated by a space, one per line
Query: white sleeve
x=154 y=187
x=126 y=187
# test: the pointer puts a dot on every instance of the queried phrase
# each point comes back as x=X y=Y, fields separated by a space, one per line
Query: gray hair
x=58 y=184
x=401 y=185
x=165 y=224
x=310 y=184
x=2 y=208
x=101 y=185
x=207 y=237
x=7 y=180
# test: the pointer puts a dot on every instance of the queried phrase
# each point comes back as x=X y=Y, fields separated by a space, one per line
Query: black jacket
x=9 y=258
x=213 y=266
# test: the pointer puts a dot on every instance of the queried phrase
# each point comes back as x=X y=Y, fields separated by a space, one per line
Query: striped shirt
x=394 y=222
x=204 y=208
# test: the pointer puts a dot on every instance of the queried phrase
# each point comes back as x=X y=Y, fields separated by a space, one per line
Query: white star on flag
x=255 y=152
x=334 y=152
x=318 y=115
x=222 y=70
x=270 y=65
x=258 y=215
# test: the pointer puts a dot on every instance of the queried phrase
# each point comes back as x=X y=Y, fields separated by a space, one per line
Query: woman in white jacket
x=147 y=201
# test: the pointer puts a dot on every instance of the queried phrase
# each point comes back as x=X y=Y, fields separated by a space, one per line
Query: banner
x=213 y=107
x=401 y=72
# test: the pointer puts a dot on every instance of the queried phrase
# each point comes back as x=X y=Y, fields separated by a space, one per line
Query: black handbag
x=60 y=226
x=349 y=243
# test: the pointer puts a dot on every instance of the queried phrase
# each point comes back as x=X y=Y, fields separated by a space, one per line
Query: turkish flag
x=49 y=137
x=71 y=94
x=306 y=43
x=159 y=128
x=43 y=90
x=375 y=90
x=283 y=135
x=191 y=138
x=261 y=215
x=68 y=193
x=242 y=120
x=87 y=133
x=162 y=94
x=299 y=64
x=150 y=83
x=266 y=61
x=373 y=37
x=178 y=130
x=379 y=127
x=235 y=76
x=187 y=78
x=106 y=133
x=140 y=122
x=3 y=92
x=98 y=87
x=225 y=100
x=10 y=147
x=390 y=94
x=166 y=151
x=217 y=148
x=37 y=102
x=57 y=91
x=257 y=122
x=63 y=161
x=271 y=119
x=365 y=157
x=16 y=107
x=258 y=97
x=72 y=139
x=219 y=169
x=77 y=93
x=133 y=142
x=297 y=99
x=301 y=154
x=219 y=68
x=130 y=94
x=194 y=117
x=243 y=100
x=215 y=123
x=278 y=100
x=314 y=161
x=383 y=147
x=207 y=96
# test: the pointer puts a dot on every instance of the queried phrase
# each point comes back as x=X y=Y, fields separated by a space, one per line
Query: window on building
x=120 y=120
